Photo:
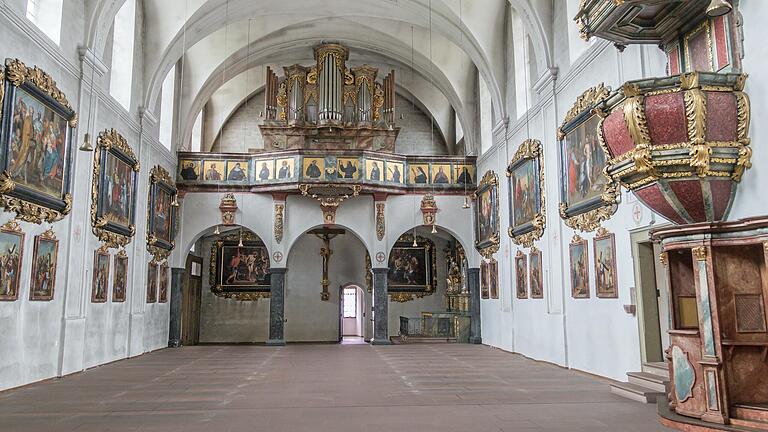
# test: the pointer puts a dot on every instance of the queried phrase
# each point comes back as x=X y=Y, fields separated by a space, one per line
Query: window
x=122 y=54
x=46 y=15
x=166 y=108
x=486 y=117
x=197 y=133
x=522 y=60
x=350 y=302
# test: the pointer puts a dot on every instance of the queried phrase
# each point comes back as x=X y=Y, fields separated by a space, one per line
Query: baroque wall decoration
x=521 y=275
x=36 y=140
x=279 y=221
x=11 y=256
x=100 y=282
x=380 y=221
x=45 y=258
x=163 y=283
x=161 y=214
x=239 y=267
x=228 y=207
x=537 y=274
x=527 y=206
x=587 y=195
x=493 y=278
x=487 y=215
x=412 y=269
x=330 y=197
x=579 y=267
x=113 y=194
x=120 y=278
x=606 y=279
x=152 y=270
x=429 y=210
x=484 y=279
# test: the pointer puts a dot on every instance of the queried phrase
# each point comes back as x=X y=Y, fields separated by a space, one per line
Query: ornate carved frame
x=100 y=252
x=214 y=271
x=539 y=277
x=28 y=204
x=526 y=233
x=14 y=229
x=112 y=234
x=48 y=236
x=120 y=257
x=489 y=183
x=407 y=294
x=603 y=234
x=578 y=241
x=160 y=181
x=587 y=215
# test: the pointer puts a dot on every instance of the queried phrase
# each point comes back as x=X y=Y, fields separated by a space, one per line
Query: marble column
x=473 y=283
x=380 y=307
x=174 y=329
x=276 y=306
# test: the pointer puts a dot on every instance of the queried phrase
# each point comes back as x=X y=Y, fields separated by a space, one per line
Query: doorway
x=352 y=314
x=192 y=290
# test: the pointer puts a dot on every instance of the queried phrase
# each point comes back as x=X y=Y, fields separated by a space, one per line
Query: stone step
x=635 y=392
x=650 y=380
x=658 y=368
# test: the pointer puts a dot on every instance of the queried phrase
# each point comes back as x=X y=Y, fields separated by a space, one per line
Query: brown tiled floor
x=316 y=388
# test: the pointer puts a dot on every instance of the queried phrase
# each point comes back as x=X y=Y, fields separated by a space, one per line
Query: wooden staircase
x=644 y=386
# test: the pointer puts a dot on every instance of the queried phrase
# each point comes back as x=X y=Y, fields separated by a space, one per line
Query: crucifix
x=326 y=235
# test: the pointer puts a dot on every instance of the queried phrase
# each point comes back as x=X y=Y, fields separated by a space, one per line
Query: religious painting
x=163 y=283
x=237 y=170
x=487 y=214
x=464 y=174
x=348 y=168
x=374 y=170
x=441 y=174
x=265 y=170
x=239 y=264
x=521 y=275
x=395 y=172
x=36 y=145
x=44 y=261
x=537 y=274
x=525 y=176
x=189 y=170
x=579 y=269
x=152 y=282
x=418 y=173
x=285 y=168
x=606 y=280
x=115 y=175
x=484 y=280
x=493 y=278
x=11 y=254
x=120 y=278
x=161 y=223
x=213 y=170
x=412 y=268
x=100 y=283
x=313 y=167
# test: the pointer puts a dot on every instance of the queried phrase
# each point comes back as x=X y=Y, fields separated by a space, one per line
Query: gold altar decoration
x=330 y=197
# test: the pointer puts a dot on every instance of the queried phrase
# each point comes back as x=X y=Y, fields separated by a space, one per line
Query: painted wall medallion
x=412 y=269
x=161 y=220
x=606 y=280
x=100 y=282
x=163 y=283
x=35 y=145
x=44 y=262
x=11 y=255
x=487 y=215
x=152 y=270
x=521 y=275
x=527 y=213
x=120 y=278
x=537 y=274
x=579 y=270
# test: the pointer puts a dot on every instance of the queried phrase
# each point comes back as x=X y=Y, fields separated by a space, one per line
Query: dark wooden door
x=191 y=297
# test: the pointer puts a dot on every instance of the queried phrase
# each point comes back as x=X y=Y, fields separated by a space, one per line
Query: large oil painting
x=537 y=274
x=11 y=254
x=487 y=213
x=100 y=287
x=161 y=226
x=521 y=275
x=120 y=278
x=526 y=194
x=412 y=268
x=579 y=269
x=36 y=144
x=584 y=160
x=44 y=262
x=606 y=280
x=239 y=264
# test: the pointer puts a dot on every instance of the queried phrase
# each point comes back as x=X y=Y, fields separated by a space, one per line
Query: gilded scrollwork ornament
x=161 y=243
x=527 y=232
x=279 y=221
x=380 y=221
x=487 y=215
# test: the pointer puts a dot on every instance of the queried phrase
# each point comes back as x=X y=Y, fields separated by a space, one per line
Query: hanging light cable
x=87 y=147
x=432 y=117
x=223 y=81
x=466 y=204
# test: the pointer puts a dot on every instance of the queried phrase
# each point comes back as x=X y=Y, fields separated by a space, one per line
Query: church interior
x=432 y=215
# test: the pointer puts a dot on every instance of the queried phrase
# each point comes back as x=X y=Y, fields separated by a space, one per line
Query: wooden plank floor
x=418 y=388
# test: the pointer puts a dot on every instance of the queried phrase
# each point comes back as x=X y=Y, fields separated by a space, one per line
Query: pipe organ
x=329 y=105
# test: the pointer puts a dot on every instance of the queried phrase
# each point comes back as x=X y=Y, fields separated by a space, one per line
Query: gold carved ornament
x=490 y=180
x=368 y=273
x=158 y=174
x=330 y=197
x=279 y=221
x=700 y=253
x=27 y=211
x=586 y=101
x=108 y=139
x=378 y=102
x=530 y=149
x=664 y=258
x=18 y=73
x=282 y=100
x=380 y=221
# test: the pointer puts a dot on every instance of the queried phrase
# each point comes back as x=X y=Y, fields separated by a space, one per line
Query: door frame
x=187 y=307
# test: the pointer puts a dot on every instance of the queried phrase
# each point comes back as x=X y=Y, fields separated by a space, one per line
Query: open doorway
x=352 y=314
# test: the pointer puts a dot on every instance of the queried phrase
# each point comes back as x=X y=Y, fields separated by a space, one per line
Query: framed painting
x=464 y=174
x=213 y=170
x=152 y=270
x=525 y=177
x=493 y=278
x=265 y=170
x=537 y=274
x=521 y=275
x=239 y=269
x=487 y=215
x=163 y=283
x=286 y=168
x=115 y=176
x=36 y=139
x=374 y=169
x=418 y=173
x=441 y=174
x=348 y=168
x=313 y=167
x=189 y=170
x=395 y=172
x=11 y=254
x=412 y=268
x=44 y=261
x=120 y=278
x=237 y=170
x=579 y=269
x=587 y=195
x=100 y=283
x=606 y=279
x=484 y=280
x=161 y=218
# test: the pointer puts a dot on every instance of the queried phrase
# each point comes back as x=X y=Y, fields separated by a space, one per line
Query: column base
x=175 y=343
x=476 y=340
x=381 y=342
x=276 y=342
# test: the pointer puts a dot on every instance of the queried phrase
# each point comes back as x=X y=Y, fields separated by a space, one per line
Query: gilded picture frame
x=36 y=138
x=239 y=272
x=493 y=279
x=412 y=269
x=587 y=195
x=536 y=268
x=606 y=277
x=521 y=275
x=579 y=267
x=161 y=214
x=11 y=257
x=114 y=190
x=120 y=277
x=487 y=215
x=100 y=281
x=45 y=257
x=527 y=202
